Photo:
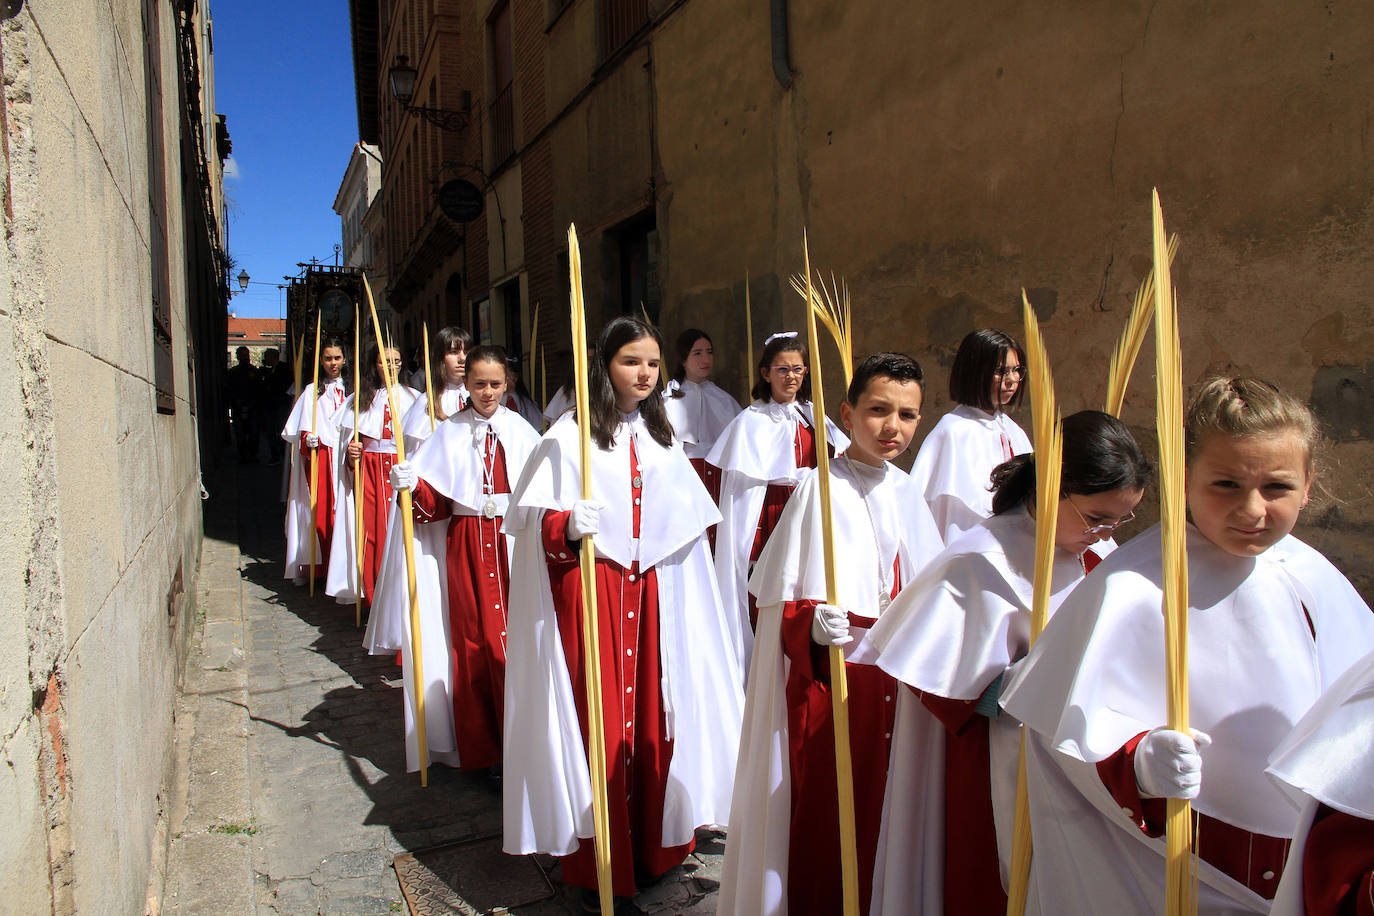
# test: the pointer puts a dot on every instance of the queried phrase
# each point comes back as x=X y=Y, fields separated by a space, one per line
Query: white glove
x=584 y=519
x=403 y=476
x=830 y=626
x=1168 y=764
x=312 y=440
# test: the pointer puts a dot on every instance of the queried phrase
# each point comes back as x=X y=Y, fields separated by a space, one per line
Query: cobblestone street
x=292 y=795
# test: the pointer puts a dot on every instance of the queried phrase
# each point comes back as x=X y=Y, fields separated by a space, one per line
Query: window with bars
x=159 y=265
x=501 y=111
x=619 y=20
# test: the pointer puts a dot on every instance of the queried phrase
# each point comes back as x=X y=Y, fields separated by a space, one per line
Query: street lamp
x=243 y=281
x=402 y=77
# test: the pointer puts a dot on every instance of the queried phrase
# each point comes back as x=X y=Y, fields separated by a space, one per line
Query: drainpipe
x=777 y=17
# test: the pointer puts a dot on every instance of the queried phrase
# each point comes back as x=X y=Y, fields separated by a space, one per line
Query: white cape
x=326 y=426
x=342 y=582
x=1326 y=760
x=451 y=463
x=1096 y=679
x=950 y=633
x=700 y=415
x=547 y=790
x=956 y=460
x=791 y=568
x=559 y=404
x=756 y=449
x=415 y=423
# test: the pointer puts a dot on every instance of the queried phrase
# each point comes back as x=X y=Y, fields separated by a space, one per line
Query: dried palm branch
x=1128 y=347
x=1049 y=443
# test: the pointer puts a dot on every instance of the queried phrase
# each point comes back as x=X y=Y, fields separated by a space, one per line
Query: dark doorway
x=635 y=248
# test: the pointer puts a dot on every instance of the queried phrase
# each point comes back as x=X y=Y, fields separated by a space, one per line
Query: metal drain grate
x=471 y=878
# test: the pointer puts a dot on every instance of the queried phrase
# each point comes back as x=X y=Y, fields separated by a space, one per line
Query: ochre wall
x=944 y=157
x=100 y=494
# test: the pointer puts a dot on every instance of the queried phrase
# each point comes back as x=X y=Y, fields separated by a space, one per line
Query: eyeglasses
x=1098 y=530
x=798 y=371
x=1016 y=372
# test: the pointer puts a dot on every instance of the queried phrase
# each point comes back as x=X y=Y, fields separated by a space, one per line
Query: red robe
x=1338 y=865
x=775 y=500
x=638 y=750
x=377 y=499
x=710 y=478
x=1252 y=859
x=815 y=884
x=478 y=574
x=324 y=503
x=973 y=878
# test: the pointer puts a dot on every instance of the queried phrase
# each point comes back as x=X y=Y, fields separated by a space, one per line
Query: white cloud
x=231 y=169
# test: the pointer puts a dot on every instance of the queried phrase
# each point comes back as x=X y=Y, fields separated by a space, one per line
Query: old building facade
x=112 y=305
x=941 y=159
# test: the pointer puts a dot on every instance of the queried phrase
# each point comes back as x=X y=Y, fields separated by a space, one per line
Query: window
x=554 y=9
x=501 y=112
x=636 y=254
x=163 y=376
x=619 y=20
x=509 y=334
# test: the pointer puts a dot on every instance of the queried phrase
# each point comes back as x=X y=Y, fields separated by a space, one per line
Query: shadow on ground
x=327 y=755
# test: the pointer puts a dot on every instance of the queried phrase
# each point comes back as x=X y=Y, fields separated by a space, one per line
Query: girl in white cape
x=320 y=435
x=371 y=457
x=953 y=467
x=783 y=855
x=460 y=480
x=698 y=408
x=761 y=457
x=1327 y=768
x=448 y=361
x=949 y=637
x=671 y=685
x=1271 y=624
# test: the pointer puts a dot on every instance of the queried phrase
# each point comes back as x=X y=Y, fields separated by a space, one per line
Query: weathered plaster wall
x=101 y=491
x=943 y=157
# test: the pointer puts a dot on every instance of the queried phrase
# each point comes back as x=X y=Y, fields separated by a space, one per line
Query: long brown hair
x=346 y=373
x=682 y=348
x=605 y=414
x=448 y=339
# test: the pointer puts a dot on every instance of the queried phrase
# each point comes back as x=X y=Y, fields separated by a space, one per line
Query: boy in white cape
x=782 y=855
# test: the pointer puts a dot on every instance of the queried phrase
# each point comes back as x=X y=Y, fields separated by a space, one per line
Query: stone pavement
x=291 y=795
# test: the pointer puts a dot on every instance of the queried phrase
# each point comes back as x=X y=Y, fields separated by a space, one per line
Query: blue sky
x=284 y=80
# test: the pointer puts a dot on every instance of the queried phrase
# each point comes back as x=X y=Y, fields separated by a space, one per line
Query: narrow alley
x=292 y=795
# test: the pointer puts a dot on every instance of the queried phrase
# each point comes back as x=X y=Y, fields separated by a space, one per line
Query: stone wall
x=103 y=526
x=944 y=157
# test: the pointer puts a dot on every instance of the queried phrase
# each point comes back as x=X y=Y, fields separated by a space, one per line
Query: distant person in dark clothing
x=243 y=402
x=275 y=402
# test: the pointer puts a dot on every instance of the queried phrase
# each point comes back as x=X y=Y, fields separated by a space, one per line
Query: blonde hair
x=1242 y=406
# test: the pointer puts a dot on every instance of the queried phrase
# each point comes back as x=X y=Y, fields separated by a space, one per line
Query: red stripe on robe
x=815 y=883
x=478 y=574
x=377 y=499
x=973 y=877
x=324 y=503
x=1253 y=859
x=638 y=753
x=775 y=500
x=1338 y=865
